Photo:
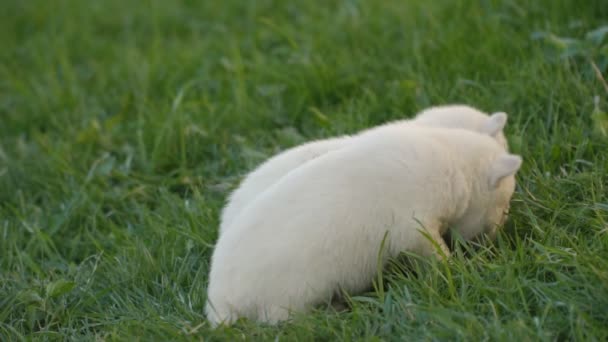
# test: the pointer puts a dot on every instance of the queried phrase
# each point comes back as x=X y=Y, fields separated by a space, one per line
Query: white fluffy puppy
x=260 y=179
x=319 y=228
x=275 y=168
x=465 y=117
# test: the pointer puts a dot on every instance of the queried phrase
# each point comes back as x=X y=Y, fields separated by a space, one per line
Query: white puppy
x=465 y=117
x=260 y=179
x=319 y=228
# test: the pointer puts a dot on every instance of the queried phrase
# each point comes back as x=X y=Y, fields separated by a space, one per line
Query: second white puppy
x=319 y=228
x=269 y=172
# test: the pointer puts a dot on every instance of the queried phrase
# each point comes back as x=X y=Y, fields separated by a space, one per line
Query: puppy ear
x=494 y=124
x=504 y=166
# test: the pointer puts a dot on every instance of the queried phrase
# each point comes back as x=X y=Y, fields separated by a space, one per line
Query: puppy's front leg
x=434 y=244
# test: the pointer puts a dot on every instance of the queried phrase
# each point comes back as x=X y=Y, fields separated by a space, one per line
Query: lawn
x=125 y=124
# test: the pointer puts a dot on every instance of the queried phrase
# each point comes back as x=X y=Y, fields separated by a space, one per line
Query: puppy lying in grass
x=260 y=179
x=318 y=229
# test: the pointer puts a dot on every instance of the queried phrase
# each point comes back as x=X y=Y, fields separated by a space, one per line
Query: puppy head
x=489 y=205
x=465 y=117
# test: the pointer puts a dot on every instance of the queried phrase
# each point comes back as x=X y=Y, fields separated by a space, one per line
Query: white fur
x=260 y=179
x=466 y=117
x=319 y=228
x=271 y=171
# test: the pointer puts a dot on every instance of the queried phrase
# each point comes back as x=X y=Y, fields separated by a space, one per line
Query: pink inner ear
x=495 y=124
x=504 y=166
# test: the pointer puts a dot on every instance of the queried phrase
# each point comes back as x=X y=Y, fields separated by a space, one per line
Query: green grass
x=124 y=124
